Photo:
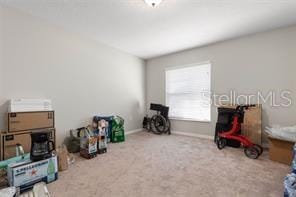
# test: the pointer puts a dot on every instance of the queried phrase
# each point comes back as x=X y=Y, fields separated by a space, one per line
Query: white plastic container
x=284 y=133
x=25 y=105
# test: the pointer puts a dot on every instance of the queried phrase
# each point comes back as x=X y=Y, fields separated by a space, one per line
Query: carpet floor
x=148 y=165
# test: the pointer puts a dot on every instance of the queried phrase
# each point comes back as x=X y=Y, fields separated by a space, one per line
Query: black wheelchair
x=158 y=123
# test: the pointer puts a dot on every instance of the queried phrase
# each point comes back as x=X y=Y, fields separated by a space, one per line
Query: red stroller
x=252 y=151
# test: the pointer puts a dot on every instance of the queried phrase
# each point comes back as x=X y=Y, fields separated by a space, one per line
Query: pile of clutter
x=28 y=156
x=23 y=173
x=290 y=180
x=92 y=139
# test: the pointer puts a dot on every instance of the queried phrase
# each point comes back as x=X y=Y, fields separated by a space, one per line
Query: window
x=188 y=92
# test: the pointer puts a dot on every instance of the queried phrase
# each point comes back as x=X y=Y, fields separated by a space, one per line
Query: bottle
x=50 y=171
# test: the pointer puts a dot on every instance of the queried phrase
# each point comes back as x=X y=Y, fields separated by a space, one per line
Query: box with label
x=8 y=142
x=88 y=143
x=25 y=175
x=22 y=121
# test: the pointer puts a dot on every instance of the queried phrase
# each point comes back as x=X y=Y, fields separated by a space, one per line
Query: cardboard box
x=88 y=147
x=88 y=144
x=281 y=150
x=8 y=142
x=22 y=121
x=24 y=175
x=252 y=126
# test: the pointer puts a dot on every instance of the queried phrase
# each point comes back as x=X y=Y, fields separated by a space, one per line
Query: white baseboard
x=193 y=135
x=133 y=131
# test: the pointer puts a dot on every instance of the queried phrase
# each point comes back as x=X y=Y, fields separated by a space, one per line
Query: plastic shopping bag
x=290 y=185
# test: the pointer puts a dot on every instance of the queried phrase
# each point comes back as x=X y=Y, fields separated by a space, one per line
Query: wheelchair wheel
x=160 y=123
x=259 y=148
x=157 y=124
x=221 y=143
x=168 y=127
x=252 y=152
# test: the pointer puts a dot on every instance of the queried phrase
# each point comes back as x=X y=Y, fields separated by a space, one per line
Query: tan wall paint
x=81 y=76
x=260 y=62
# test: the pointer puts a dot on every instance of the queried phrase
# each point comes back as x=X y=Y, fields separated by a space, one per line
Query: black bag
x=224 y=123
x=222 y=127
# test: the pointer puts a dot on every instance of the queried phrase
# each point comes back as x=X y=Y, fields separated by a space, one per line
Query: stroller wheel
x=252 y=152
x=221 y=143
x=259 y=148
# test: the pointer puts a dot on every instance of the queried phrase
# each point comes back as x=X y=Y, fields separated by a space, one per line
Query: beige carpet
x=148 y=165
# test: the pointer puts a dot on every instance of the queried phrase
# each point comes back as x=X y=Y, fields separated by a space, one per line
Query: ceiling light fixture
x=153 y=3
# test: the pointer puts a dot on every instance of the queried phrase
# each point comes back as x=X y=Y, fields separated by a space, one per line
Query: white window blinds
x=188 y=92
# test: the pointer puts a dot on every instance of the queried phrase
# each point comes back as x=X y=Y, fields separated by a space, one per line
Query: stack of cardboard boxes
x=19 y=128
x=21 y=122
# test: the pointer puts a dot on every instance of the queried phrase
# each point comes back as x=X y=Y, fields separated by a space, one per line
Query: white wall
x=260 y=62
x=1 y=66
x=81 y=76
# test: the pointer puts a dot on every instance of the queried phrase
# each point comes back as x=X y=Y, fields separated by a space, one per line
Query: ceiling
x=136 y=28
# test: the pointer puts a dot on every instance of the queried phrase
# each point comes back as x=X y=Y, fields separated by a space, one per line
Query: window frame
x=187 y=66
